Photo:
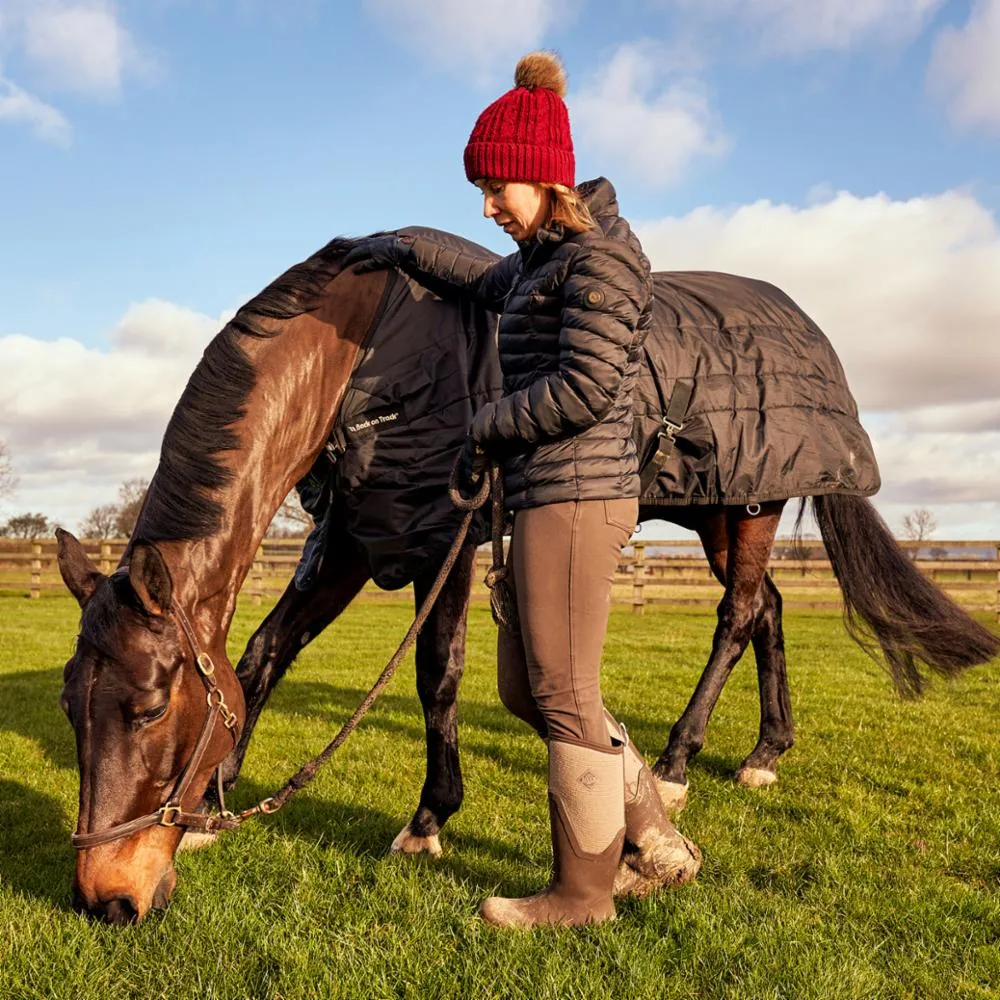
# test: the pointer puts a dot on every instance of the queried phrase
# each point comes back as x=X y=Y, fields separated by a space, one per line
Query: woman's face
x=518 y=208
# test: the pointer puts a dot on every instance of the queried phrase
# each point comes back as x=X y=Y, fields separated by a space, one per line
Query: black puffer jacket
x=575 y=311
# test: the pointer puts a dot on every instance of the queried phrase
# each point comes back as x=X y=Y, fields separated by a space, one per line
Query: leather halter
x=171 y=812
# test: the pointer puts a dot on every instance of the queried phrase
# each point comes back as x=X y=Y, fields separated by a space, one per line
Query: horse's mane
x=179 y=504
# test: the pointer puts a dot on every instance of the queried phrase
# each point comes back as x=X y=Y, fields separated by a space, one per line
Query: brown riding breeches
x=562 y=563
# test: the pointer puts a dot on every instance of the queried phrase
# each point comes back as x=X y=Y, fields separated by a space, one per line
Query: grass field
x=872 y=870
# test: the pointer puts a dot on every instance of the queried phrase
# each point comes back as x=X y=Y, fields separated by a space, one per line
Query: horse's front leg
x=440 y=663
x=297 y=618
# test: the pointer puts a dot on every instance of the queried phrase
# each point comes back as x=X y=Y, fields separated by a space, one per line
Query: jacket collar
x=599 y=196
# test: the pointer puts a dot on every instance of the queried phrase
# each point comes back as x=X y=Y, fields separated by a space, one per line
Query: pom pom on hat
x=541 y=69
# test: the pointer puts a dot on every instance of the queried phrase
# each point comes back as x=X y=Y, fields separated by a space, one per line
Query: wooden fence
x=651 y=571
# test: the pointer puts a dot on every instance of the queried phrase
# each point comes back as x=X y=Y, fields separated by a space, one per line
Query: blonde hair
x=568 y=209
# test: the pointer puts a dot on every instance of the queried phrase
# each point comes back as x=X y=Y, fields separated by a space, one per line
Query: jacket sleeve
x=604 y=296
x=449 y=272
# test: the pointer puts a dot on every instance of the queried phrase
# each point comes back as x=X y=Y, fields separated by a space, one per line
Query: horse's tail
x=889 y=603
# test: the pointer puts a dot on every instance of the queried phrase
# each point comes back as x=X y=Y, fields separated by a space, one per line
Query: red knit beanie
x=524 y=136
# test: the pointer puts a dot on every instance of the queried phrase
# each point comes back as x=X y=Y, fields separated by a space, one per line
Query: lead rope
x=503 y=602
x=229 y=821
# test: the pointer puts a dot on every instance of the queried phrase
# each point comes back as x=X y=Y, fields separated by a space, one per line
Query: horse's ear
x=79 y=573
x=150 y=578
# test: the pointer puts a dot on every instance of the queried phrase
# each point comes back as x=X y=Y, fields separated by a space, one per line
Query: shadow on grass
x=477 y=720
x=719 y=767
x=367 y=834
x=335 y=702
x=36 y=857
x=30 y=708
x=295 y=697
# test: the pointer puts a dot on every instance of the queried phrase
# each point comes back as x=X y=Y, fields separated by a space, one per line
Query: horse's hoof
x=665 y=861
x=407 y=842
x=194 y=841
x=673 y=795
x=755 y=777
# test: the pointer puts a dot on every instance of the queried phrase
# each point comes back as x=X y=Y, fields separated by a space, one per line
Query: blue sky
x=161 y=162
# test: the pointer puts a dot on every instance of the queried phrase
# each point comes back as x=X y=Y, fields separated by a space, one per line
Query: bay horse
x=254 y=416
x=256 y=412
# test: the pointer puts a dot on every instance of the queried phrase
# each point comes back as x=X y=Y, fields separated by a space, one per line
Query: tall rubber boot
x=587 y=816
x=656 y=855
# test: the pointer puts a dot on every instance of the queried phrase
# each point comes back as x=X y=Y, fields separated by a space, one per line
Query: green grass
x=872 y=870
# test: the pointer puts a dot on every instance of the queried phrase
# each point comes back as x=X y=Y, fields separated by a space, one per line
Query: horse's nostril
x=79 y=903
x=122 y=910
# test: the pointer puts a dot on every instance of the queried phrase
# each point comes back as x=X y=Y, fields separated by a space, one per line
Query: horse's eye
x=150 y=715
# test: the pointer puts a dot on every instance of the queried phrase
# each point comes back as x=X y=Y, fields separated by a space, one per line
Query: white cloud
x=479 y=38
x=80 y=420
x=907 y=291
x=628 y=111
x=965 y=67
x=21 y=108
x=627 y=114
x=799 y=26
x=937 y=464
x=946 y=459
x=962 y=418
x=79 y=45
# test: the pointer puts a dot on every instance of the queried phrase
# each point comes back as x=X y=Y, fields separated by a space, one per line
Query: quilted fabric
x=771 y=416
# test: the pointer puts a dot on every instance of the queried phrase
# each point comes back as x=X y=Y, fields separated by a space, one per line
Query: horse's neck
x=302 y=373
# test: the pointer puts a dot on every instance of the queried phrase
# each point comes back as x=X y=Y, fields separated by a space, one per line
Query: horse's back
x=770 y=416
x=729 y=301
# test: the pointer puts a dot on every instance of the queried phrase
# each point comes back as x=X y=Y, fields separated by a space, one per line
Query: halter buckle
x=217 y=700
x=204 y=664
x=169 y=815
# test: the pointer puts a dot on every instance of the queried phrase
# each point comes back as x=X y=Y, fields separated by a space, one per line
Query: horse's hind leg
x=440 y=663
x=738 y=549
x=777 y=732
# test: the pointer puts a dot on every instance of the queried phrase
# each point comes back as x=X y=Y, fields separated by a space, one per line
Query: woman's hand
x=472 y=465
x=376 y=253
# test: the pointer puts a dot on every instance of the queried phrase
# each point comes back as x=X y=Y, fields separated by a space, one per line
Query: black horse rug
x=756 y=401
x=768 y=413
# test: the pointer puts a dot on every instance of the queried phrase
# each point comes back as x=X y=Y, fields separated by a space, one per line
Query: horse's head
x=137 y=703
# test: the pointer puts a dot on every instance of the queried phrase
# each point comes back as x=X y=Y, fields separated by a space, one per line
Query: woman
x=575 y=305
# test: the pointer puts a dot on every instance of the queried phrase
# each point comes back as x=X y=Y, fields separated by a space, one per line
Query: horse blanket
x=770 y=415
x=424 y=369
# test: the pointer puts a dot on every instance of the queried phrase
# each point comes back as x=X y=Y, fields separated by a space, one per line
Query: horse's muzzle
x=125 y=909
x=120 y=910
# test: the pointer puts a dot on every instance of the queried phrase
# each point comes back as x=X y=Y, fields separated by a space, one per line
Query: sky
x=162 y=161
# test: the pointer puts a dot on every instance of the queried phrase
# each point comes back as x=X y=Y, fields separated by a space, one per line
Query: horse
x=254 y=416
